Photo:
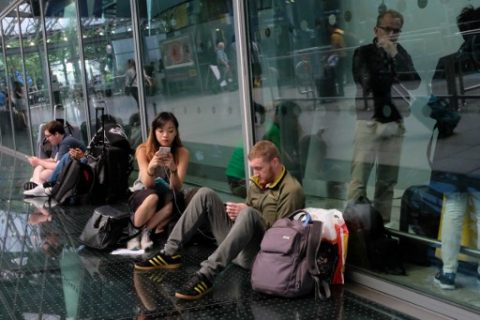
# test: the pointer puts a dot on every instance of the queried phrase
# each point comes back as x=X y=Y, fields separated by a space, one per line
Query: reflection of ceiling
x=4 y=4
x=100 y=8
x=165 y=4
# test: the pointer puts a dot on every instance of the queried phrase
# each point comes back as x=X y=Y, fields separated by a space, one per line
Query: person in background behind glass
x=223 y=62
x=131 y=81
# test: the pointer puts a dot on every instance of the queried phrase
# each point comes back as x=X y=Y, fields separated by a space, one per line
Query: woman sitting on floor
x=157 y=198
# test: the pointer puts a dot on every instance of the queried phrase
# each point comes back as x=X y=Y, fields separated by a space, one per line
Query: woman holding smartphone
x=157 y=198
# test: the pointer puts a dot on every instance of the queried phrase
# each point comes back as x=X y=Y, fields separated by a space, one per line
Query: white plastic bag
x=330 y=218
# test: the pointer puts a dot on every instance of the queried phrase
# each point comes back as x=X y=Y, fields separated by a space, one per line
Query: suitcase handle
x=102 y=119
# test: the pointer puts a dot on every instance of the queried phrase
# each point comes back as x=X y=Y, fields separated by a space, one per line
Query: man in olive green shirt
x=237 y=227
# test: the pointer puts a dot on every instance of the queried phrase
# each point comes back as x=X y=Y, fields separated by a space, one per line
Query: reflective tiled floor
x=46 y=274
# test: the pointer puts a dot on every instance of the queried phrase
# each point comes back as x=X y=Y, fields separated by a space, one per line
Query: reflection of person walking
x=338 y=51
x=377 y=68
x=131 y=86
x=20 y=105
x=56 y=90
x=456 y=158
x=131 y=83
x=223 y=63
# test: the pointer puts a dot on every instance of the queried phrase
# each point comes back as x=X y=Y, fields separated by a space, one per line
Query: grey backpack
x=287 y=263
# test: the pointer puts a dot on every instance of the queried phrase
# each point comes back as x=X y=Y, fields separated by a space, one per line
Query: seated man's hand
x=76 y=153
x=38 y=217
x=34 y=161
x=233 y=209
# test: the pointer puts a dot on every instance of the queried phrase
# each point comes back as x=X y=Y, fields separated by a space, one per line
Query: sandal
x=29 y=185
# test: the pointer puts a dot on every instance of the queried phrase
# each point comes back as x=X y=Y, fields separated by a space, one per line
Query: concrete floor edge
x=408 y=301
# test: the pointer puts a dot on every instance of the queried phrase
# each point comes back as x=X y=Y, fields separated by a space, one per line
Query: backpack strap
x=322 y=286
x=429 y=146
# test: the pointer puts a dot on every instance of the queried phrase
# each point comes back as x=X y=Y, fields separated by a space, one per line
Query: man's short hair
x=264 y=149
x=395 y=14
x=55 y=126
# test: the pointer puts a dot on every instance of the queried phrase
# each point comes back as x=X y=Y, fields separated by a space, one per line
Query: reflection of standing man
x=378 y=69
x=222 y=62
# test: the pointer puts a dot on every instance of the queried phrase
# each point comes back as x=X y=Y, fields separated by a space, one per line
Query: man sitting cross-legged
x=46 y=171
x=237 y=227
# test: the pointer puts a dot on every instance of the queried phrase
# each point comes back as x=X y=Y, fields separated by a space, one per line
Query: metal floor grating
x=46 y=274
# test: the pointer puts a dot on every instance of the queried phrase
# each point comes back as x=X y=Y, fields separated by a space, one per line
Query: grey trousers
x=238 y=241
x=383 y=155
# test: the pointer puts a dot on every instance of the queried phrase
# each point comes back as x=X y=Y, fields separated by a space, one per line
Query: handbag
x=106 y=228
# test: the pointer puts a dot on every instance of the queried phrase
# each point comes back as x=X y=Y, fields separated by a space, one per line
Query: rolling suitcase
x=110 y=156
x=420 y=210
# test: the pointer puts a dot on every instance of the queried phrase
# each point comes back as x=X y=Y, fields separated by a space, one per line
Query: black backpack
x=370 y=244
x=447 y=118
x=74 y=184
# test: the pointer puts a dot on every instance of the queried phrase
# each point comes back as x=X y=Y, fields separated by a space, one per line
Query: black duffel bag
x=106 y=229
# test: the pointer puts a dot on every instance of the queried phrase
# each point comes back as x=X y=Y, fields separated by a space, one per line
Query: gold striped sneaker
x=160 y=261
x=195 y=288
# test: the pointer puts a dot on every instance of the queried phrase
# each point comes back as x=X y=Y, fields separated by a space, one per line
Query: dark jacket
x=375 y=74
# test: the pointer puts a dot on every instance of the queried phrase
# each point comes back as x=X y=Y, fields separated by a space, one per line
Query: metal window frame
x=244 y=79
x=24 y=71
x=137 y=50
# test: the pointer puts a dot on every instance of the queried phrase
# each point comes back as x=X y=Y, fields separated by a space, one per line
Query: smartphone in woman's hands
x=164 y=150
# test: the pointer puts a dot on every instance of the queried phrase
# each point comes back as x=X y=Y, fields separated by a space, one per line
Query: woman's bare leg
x=145 y=211
x=161 y=218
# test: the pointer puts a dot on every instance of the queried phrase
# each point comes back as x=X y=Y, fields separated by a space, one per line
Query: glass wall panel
x=362 y=108
x=16 y=83
x=36 y=69
x=188 y=51
x=108 y=45
x=5 y=105
x=65 y=65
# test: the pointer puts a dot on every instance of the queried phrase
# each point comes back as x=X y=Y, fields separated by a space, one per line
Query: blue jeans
x=59 y=167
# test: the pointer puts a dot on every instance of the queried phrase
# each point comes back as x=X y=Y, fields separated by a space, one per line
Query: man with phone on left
x=46 y=171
